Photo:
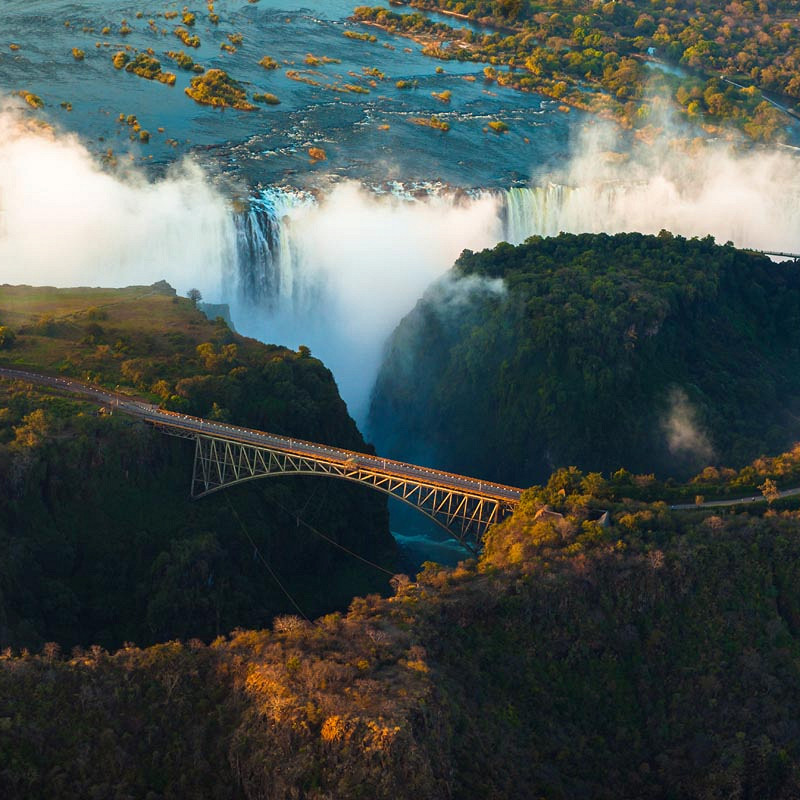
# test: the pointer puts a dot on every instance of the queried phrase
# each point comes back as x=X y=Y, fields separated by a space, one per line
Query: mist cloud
x=750 y=197
x=360 y=261
x=684 y=434
x=65 y=221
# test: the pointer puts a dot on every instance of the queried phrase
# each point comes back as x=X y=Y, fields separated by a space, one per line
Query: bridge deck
x=192 y=426
x=795 y=256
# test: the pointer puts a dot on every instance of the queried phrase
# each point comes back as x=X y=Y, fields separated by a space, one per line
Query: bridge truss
x=465 y=515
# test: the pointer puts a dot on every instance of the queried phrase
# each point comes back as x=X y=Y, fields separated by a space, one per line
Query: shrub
x=7 y=337
x=497 y=126
x=268 y=98
x=217 y=88
x=33 y=100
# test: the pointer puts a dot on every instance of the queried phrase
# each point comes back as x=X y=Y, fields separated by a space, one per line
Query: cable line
x=332 y=541
x=264 y=561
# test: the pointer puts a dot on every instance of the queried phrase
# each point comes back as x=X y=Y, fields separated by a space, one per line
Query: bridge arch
x=465 y=515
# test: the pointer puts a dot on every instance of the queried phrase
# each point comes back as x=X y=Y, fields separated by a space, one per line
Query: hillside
x=655 y=657
x=99 y=542
x=655 y=353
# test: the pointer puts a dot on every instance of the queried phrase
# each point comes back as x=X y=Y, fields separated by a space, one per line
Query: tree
x=195 y=296
x=769 y=490
x=6 y=337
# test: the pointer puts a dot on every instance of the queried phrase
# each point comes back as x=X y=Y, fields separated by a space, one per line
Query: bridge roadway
x=778 y=253
x=432 y=477
x=197 y=425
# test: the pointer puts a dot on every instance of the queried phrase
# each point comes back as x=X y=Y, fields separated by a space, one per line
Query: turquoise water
x=270 y=145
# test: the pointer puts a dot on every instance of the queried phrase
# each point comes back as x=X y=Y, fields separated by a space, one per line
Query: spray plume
x=354 y=263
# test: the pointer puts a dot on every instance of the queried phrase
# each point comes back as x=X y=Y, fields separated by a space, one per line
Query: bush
x=217 y=88
x=7 y=337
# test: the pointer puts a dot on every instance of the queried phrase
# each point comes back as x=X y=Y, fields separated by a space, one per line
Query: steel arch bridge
x=466 y=514
x=226 y=455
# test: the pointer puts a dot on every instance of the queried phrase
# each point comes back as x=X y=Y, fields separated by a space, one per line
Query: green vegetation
x=364 y=37
x=99 y=542
x=146 y=66
x=316 y=61
x=269 y=99
x=432 y=122
x=269 y=63
x=33 y=100
x=296 y=75
x=649 y=352
x=763 y=477
x=7 y=337
x=643 y=656
x=217 y=88
x=136 y=129
x=593 y=55
x=184 y=61
x=188 y=39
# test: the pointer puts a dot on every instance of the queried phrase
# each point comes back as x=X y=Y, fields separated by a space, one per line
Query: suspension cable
x=332 y=541
x=263 y=560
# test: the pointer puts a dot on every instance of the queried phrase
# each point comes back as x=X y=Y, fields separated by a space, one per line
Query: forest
x=603 y=645
x=649 y=654
x=84 y=560
x=655 y=354
x=598 y=56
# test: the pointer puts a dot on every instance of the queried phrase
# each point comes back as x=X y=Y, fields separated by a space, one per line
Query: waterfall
x=338 y=270
x=338 y=273
x=269 y=273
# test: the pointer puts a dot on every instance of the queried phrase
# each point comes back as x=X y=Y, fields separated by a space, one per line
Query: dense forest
x=594 y=55
x=653 y=353
x=649 y=654
x=99 y=541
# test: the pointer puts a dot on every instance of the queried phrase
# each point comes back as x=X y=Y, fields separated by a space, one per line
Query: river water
x=270 y=145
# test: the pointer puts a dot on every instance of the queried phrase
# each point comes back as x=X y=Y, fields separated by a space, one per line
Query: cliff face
x=652 y=353
x=100 y=542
